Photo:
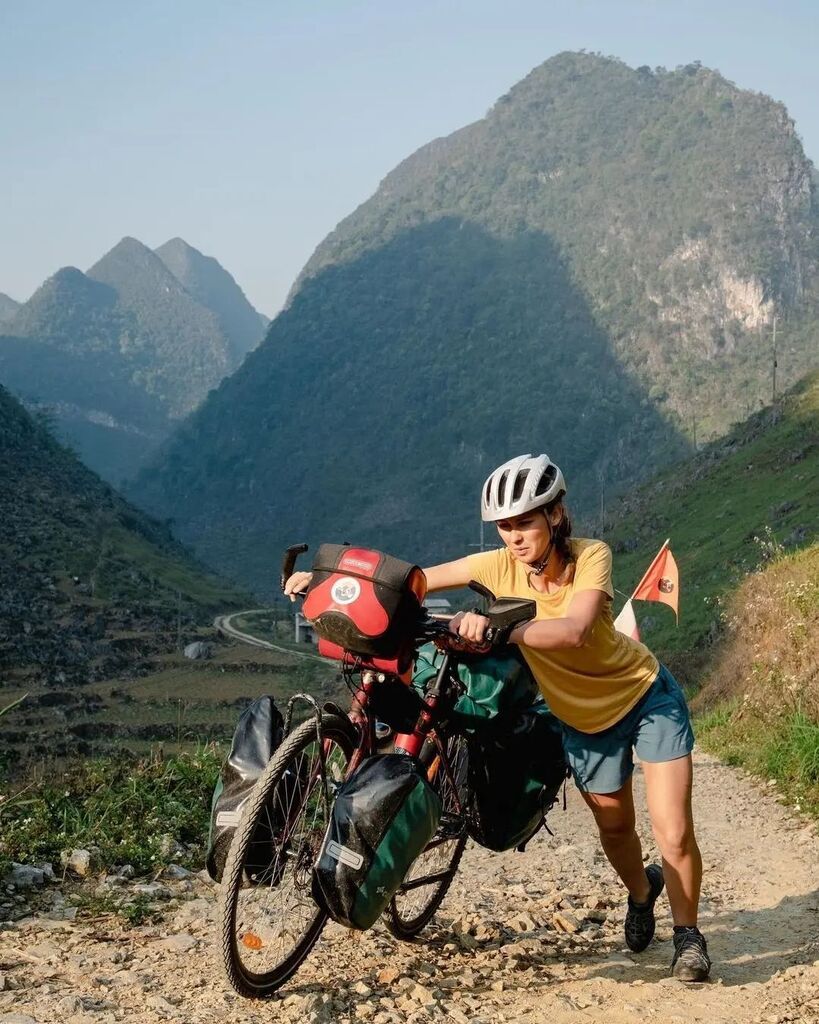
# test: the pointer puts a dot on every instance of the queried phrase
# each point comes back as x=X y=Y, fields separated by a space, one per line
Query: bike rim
x=275 y=919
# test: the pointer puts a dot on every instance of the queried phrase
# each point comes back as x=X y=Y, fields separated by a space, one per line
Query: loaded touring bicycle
x=327 y=820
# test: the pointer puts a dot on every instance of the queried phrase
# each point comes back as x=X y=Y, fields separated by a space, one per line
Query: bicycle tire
x=261 y=984
x=406 y=921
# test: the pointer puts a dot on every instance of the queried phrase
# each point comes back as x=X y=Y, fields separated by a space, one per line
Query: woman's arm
x=448 y=575
x=571 y=631
x=542 y=634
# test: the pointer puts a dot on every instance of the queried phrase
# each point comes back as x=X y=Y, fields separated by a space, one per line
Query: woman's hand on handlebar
x=297 y=584
x=470 y=626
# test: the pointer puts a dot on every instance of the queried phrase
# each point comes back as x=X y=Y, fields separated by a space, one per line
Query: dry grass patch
x=759 y=707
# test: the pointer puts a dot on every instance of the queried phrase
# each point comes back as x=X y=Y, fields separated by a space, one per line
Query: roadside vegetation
x=759 y=705
x=728 y=510
x=139 y=811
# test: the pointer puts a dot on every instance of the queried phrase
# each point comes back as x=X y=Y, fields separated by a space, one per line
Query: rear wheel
x=269 y=921
x=431 y=873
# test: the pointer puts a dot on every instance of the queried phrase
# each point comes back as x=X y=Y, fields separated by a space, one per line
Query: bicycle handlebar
x=289 y=561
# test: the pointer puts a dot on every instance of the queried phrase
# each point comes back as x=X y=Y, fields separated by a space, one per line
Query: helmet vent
x=546 y=480
x=502 y=487
x=519 y=485
x=520 y=482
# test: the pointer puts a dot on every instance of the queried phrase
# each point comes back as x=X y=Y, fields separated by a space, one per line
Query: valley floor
x=492 y=954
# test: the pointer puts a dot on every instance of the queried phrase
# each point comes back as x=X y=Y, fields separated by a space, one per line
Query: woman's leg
x=614 y=815
x=668 y=793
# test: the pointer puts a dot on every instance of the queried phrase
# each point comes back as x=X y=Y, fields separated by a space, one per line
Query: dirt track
x=492 y=954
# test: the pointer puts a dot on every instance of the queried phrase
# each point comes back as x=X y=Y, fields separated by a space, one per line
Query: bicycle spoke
x=432 y=871
x=274 y=907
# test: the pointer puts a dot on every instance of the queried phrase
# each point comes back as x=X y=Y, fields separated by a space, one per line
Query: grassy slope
x=723 y=511
x=759 y=705
x=90 y=590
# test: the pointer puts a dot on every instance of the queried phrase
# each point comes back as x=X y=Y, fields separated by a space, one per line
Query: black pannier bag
x=258 y=734
x=515 y=773
x=383 y=817
x=364 y=601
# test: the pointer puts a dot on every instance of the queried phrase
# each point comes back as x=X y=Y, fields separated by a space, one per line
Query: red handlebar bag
x=365 y=602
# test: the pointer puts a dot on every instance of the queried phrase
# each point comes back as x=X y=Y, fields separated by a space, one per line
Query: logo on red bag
x=346 y=590
x=357 y=563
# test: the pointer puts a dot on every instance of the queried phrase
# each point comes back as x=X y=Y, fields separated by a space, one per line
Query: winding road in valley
x=224 y=624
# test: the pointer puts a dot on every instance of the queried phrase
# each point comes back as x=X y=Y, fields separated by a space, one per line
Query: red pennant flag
x=661 y=581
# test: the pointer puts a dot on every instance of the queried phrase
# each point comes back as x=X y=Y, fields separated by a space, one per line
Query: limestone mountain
x=178 y=344
x=591 y=270
x=8 y=307
x=117 y=354
x=213 y=287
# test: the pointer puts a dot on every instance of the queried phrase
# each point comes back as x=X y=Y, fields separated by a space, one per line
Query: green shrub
x=120 y=807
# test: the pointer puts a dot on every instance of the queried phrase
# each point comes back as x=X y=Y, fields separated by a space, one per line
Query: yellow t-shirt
x=589 y=687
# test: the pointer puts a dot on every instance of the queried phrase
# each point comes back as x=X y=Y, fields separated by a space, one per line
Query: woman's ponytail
x=561 y=534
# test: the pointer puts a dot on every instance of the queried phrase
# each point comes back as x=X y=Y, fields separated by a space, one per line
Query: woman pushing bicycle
x=609 y=692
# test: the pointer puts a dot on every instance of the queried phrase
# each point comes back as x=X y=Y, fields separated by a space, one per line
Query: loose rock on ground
x=521 y=937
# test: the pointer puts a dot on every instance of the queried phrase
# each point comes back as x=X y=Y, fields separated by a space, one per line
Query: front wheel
x=433 y=870
x=268 y=919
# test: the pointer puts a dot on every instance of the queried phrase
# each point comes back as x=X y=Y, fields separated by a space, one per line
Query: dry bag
x=497 y=686
x=257 y=736
x=383 y=817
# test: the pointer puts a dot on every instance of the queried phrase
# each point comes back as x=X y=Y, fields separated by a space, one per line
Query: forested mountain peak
x=210 y=284
x=117 y=353
x=8 y=307
x=63 y=306
x=132 y=268
x=683 y=205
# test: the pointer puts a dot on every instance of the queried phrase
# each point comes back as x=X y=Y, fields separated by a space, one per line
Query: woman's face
x=527 y=536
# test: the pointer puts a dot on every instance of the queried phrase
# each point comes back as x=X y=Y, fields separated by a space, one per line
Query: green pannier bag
x=497 y=685
x=382 y=818
x=516 y=761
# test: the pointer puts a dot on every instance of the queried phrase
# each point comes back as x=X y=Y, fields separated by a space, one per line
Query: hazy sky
x=251 y=127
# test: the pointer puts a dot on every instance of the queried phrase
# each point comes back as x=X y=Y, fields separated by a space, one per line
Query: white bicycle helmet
x=519 y=485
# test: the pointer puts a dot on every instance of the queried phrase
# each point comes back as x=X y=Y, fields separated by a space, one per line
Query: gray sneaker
x=691 y=961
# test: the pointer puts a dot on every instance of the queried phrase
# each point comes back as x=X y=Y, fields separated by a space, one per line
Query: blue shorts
x=658 y=727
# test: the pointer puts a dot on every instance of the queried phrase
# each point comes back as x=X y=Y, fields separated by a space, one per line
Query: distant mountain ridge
x=177 y=345
x=211 y=285
x=123 y=350
x=591 y=270
x=8 y=307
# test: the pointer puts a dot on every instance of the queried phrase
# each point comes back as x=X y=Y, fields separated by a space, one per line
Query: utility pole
x=773 y=368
